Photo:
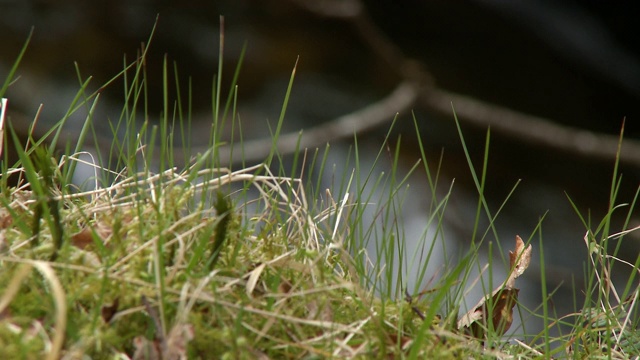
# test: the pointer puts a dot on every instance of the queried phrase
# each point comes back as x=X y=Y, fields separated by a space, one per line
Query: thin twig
x=400 y=99
x=532 y=129
x=417 y=85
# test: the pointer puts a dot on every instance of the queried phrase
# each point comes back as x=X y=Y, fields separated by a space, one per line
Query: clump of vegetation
x=215 y=262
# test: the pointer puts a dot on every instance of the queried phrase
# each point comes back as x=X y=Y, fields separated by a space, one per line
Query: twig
x=417 y=85
x=401 y=99
x=409 y=299
x=332 y=8
x=367 y=118
x=520 y=126
x=533 y=129
x=153 y=314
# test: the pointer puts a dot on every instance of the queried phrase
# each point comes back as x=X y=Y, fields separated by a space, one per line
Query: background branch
x=529 y=128
x=400 y=99
x=520 y=126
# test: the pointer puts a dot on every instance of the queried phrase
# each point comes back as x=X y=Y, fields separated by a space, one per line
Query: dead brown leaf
x=503 y=299
x=519 y=261
x=4 y=245
x=108 y=311
x=5 y=219
x=84 y=237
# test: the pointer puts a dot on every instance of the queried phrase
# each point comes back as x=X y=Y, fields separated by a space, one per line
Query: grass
x=182 y=256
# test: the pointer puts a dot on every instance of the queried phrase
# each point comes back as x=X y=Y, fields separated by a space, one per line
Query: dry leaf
x=254 y=276
x=501 y=314
x=519 y=261
x=5 y=219
x=108 y=311
x=503 y=298
x=285 y=286
x=3 y=241
x=82 y=239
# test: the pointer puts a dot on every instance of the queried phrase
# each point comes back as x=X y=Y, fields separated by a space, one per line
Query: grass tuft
x=165 y=253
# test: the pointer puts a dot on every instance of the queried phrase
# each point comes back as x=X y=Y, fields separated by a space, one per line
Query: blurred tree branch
x=524 y=127
x=416 y=87
x=402 y=98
